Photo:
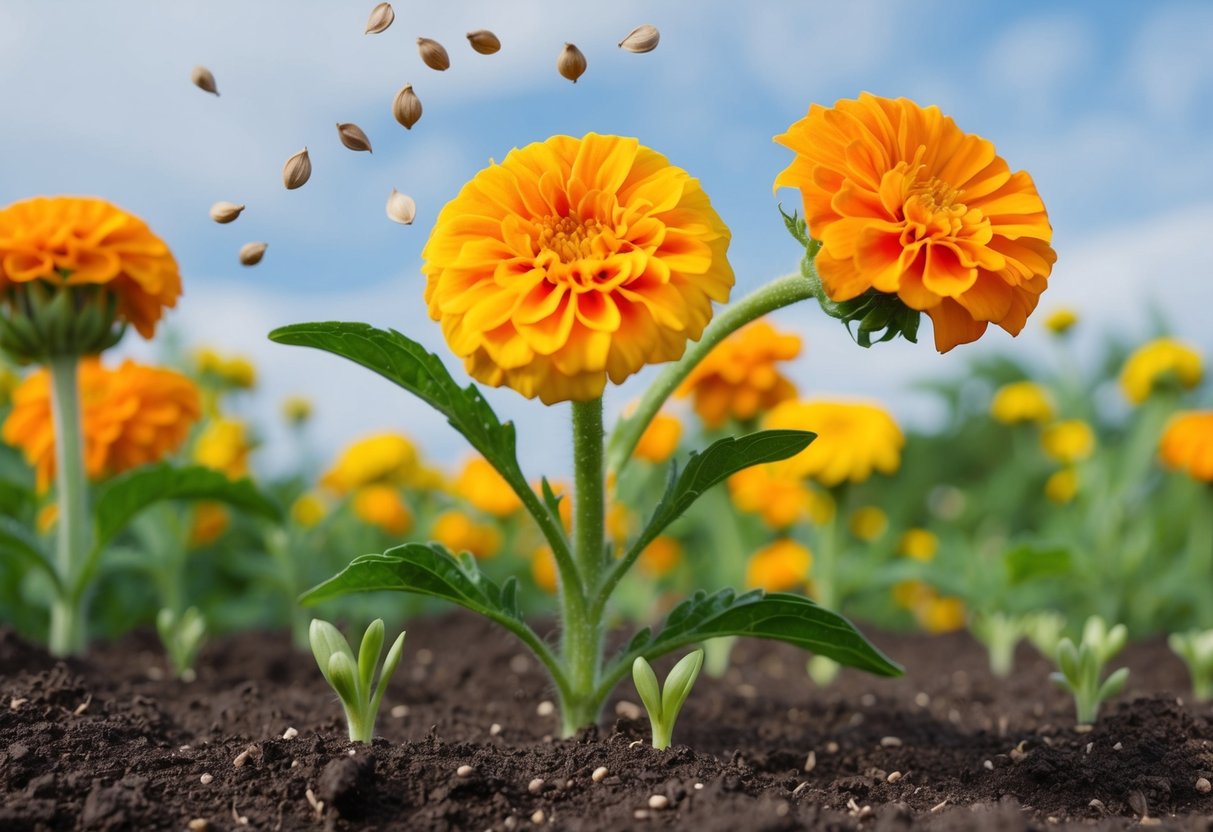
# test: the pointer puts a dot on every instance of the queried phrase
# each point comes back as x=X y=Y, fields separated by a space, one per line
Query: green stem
x=69 y=609
x=825 y=580
x=781 y=292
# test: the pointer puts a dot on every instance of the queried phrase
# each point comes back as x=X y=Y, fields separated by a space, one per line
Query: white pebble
x=495 y=729
x=698 y=787
x=464 y=771
x=659 y=802
x=399 y=711
x=890 y=742
x=599 y=774
x=538 y=817
x=290 y=734
x=545 y=708
x=893 y=777
x=535 y=786
x=206 y=779
x=1204 y=786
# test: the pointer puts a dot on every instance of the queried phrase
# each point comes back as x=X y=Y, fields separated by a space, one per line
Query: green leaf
x=795 y=226
x=1067 y=659
x=1026 y=563
x=1114 y=684
x=679 y=683
x=368 y=655
x=342 y=675
x=19 y=543
x=645 y=681
x=327 y=641
x=14 y=498
x=389 y=668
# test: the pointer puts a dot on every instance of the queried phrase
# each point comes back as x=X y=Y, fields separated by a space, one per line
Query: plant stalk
x=70 y=608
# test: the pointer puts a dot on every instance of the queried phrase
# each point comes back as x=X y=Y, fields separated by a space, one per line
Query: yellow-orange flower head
x=906 y=203
x=1155 y=364
x=1187 y=444
x=1021 y=401
x=381 y=458
x=83 y=241
x=854 y=439
x=574 y=261
x=481 y=485
x=739 y=379
x=779 y=566
x=224 y=446
x=132 y=415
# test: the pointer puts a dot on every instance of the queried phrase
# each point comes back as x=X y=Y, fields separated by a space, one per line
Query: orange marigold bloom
x=660 y=557
x=1187 y=444
x=572 y=261
x=543 y=569
x=380 y=458
x=918 y=544
x=481 y=485
x=460 y=533
x=853 y=439
x=906 y=203
x=1061 y=486
x=211 y=520
x=739 y=378
x=767 y=490
x=1156 y=363
x=868 y=523
x=942 y=614
x=780 y=566
x=382 y=506
x=660 y=439
x=83 y=241
x=132 y=415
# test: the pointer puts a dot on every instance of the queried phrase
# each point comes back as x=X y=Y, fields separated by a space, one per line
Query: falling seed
x=407 y=107
x=351 y=136
x=251 y=253
x=204 y=80
x=297 y=170
x=641 y=39
x=659 y=802
x=535 y=786
x=599 y=774
x=401 y=208
x=206 y=779
x=224 y=212
x=484 y=41
x=433 y=54
x=381 y=18
x=571 y=63
x=545 y=708
x=464 y=771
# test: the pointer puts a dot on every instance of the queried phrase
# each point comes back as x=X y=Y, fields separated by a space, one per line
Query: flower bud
x=407 y=107
x=401 y=208
x=381 y=18
x=297 y=170
x=351 y=136
x=224 y=212
x=203 y=80
x=251 y=253
x=571 y=63
x=484 y=41
x=641 y=39
x=433 y=54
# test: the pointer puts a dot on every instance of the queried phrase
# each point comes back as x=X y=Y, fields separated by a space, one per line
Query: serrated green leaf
x=795 y=226
x=19 y=543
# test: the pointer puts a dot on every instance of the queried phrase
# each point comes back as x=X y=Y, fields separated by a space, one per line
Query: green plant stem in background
x=69 y=609
x=780 y=292
x=823 y=670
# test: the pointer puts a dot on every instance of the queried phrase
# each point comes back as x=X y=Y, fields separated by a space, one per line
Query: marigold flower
x=868 y=523
x=771 y=492
x=904 y=202
x=385 y=458
x=661 y=557
x=942 y=614
x=460 y=533
x=912 y=594
x=918 y=544
x=296 y=410
x=1061 y=320
x=1021 y=401
x=308 y=510
x=739 y=378
x=1069 y=441
x=8 y=383
x=224 y=446
x=481 y=485
x=382 y=506
x=132 y=415
x=1061 y=486
x=543 y=568
x=660 y=439
x=853 y=439
x=779 y=566
x=1156 y=363
x=211 y=520
x=1187 y=444
x=572 y=261
x=83 y=241
x=229 y=370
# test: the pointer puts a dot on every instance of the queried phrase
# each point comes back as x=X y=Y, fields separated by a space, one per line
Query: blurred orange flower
x=868 y=523
x=382 y=506
x=211 y=520
x=1154 y=363
x=661 y=557
x=660 y=439
x=904 y=202
x=1187 y=444
x=780 y=566
x=83 y=241
x=460 y=533
x=380 y=458
x=131 y=416
x=918 y=544
x=543 y=568
x=853 y=439
x=308 y=510
x=770 y=491
x=1061 y=486
x=572 y=261
x=739 y=379
x=481 y=485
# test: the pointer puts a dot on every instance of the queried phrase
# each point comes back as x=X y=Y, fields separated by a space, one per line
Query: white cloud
x=1040 y=59
x=1171 y=63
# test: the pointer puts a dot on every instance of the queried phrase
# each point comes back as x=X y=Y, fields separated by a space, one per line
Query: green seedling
x=1195 y=647
x=1000 y=633
x=182 y=636
x=352 y=678
x=663 y=704
x=1044 y=629
x=1081 y=667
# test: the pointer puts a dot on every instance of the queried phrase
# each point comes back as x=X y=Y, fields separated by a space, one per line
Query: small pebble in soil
x=198 y=825
x=747 y=691
x=628 y=710
x=922 y=700
x=520 y=664
x=641 y=814
x=16 y=702
x=1203 y=785
x=1150 y=822
x=399 y=711
x=890 y=742
x=1118 y=746
x=535 y=786
x=424 y=656
x=206 y=779
x=290 y=734
x=241 y=758
x=893 y=777
x=698 y=787
x=464 y=771
x=867 y=700
x=545 y=708
x=538 y=817
x=495 y=729
x=599 y=774
x=659 y=802
x=831 y=747
x=1083 y=729
x=988 y=765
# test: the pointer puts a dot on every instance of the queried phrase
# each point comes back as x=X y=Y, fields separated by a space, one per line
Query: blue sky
x=1108 y=104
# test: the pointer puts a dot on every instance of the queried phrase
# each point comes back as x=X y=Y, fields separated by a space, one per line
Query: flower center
x=569 y=238
x=939 y=197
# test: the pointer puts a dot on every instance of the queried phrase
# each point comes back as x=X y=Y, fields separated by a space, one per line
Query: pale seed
x=535 y=786
x=225 y=212
x=484 y=41
x=204 y=80
x=433 y=54
x=464 y=771
x=351 y=136
x=401 y=208
x=290 y=734
x=381 y=18
x=198 y=825
x=641 y=39
x=571 y=63
x=251 y=253
x=407 y=107
x=659 y=802
x=297 y=170
x=545 y=708
x=1204 y=786
x=599 y=774
x=538 y=817
x=206 y=779
x=890 y=742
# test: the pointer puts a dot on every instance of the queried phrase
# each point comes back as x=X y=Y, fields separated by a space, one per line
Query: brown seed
x=204 y=80
x=433 y=54
x=351 y=136
x=407 y=107
x=251 y=253
x=484 y=41
x=571 y=63
x=225 y=212
x=381 y=18
x=641 y=39
x=297 y=170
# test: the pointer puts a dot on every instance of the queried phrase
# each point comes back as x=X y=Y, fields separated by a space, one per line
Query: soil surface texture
x=465 y=742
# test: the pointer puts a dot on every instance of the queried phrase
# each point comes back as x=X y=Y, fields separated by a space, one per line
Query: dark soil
x=108 y=743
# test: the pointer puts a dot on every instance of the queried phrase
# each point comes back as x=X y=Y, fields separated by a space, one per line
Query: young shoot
x=1081 y=667
x=182 y=636
x=353 y=678
x=1195 y=647
x=1000 y=633
x=1044 y=629
x=663 y=704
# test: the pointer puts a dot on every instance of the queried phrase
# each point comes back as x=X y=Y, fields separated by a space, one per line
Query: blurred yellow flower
x=224 y=445
x=1069 y=441
x=918 y=544
x=211 y=520
x=132 y=415
x=460 y=533
x=941 y=614
x=229 y=370
x=1061 y=320
x=1061 y=486
x=572 y=261
x=384 y=458
x=47 y=517
x=660 y=439
x=382 y=506
x=780 y=499
x=661 y=557
x=906 y=203
x=82 y=242
x=296 y=410
x=853 y=439
x=1187 y=444
x=8 y=383
x=308 y=510
x=779 y=566
x=913 y=594
x=481 y=485
x=739 y=378
x=1157 y=362
x=868 y=523
x=1021 y=401
x=543 y=569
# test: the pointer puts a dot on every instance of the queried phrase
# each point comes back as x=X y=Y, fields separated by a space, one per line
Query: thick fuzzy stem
x=69 y=610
